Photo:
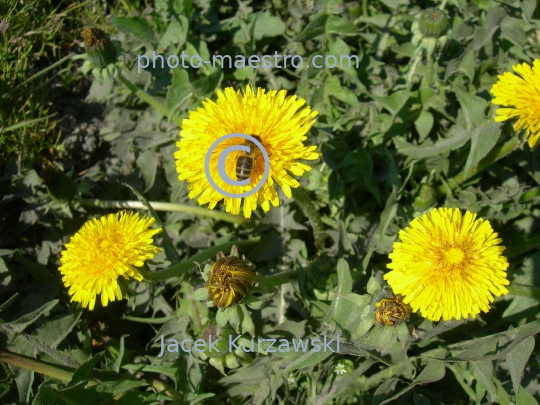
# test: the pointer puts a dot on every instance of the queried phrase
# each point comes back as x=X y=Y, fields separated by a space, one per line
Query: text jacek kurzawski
x=249 y=345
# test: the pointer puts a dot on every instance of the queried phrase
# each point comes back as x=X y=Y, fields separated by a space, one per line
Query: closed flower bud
x=99 y=48
x=229 y=281
x=433 y=22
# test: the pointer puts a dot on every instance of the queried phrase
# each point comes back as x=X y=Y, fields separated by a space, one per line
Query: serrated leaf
x=473 y=108
x=147 y=162
x=517 y=360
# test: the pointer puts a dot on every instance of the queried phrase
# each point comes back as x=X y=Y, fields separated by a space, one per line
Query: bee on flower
x=277 y=122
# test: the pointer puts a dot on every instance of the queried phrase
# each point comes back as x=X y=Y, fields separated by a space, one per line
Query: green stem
x=210 y=253
x=282 y=278
x=149 y=99
x=148 y=320
x=171 y=207
x=34 y=365
x=312 y=214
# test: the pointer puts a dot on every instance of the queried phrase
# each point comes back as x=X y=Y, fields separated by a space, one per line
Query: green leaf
x=179 y=91
x=484 y=371
x=267 y=25
x=512 y=31
x=135 y=26
x=517 y=360
x=308 y=359
x=341 y=26
x=147 y=162
x=424 y=124
x=235 y=317
x=483 y=140
x=207 y=86
x=17 y=326
x=176 y=34
x=457 y=138
x=473 y=108
x=6 y=304
x=199 y=294
x=314 y=29
x=524 y=398
x=528 y=7
x=247 y=322
x=84 y=372
x=434 y=371
x=395 y=102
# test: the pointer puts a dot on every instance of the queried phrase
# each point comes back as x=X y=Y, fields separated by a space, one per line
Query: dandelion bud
x=229 y=281
x=389 y=309
x=433 y=22
x=99 y=48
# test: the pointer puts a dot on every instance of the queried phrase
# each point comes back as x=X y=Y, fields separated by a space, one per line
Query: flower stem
x=149 y=320
x=188 y=264
x=34 y=365
x=171 y=207
x=282 y=278
x=149 y=99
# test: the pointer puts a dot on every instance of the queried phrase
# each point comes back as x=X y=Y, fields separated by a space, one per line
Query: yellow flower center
x=454 y=256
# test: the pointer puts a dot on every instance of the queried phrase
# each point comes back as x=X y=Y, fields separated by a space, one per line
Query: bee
x=245 y=163
x=228 y=282
x=391 y=311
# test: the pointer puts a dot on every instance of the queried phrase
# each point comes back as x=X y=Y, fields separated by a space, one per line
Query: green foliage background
x=395 y=143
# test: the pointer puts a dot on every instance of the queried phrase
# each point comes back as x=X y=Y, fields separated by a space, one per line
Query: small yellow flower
x=521 y=93
x=279 y=122
x=101 y=251
x=448 y=265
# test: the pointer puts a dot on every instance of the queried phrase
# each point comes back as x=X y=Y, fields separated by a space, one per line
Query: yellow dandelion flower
x=277 y=121
x=101 y=251
x=521 y=93
x=448 y=265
